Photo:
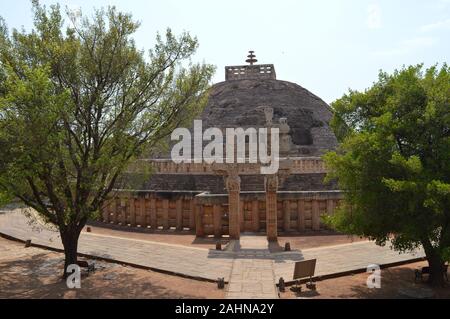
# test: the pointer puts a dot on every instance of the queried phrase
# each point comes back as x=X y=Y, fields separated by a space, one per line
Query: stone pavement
x=192 y=262
x=250 y=267
x=252 y=275
x=341 y=258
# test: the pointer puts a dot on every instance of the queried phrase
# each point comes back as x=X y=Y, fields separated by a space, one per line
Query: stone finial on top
x=251 y=71
x=251 y=58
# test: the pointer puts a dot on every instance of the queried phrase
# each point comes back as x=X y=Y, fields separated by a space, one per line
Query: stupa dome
x=229 y=197
x=242 y=101
x=239 y=102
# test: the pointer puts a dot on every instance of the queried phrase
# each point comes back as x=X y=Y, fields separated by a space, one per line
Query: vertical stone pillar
x=315 y=214
x=192 y=208
x=153 y=215
x=217 y=220
x=105 y=212
x=179 y=212
x=287 y=215
x=165 y=213
x=271 y=187
x=255 y=215
x=132 y=211
x=123 y=211
x=301 y=215
x=233 y=184
x=199 y=232
x=142 y=212
x=241 y=216
x=114 y=211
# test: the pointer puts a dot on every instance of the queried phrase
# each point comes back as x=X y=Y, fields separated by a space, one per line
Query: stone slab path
x=252 y=275
x=248 y=265
x=192 y=262
x=341 y=258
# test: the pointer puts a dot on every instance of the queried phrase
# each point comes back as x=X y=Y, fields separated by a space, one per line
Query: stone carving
x=284 y=127
x=233 y=182
x=268 y=113
x=271 y=183
x=285 y=138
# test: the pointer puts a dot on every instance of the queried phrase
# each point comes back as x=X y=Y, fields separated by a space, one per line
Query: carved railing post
x=132 y=211
x=255 y=215
x=199 y=231
x=179 y=213
x=271 y=187
x=106 y=212
x=217 y=220
x=233 y=184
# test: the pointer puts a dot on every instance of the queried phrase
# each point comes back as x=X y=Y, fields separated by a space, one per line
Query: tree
x=393 y=163
x=79 y=102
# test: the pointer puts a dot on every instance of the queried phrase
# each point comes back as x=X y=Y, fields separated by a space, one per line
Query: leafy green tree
x=393 y=163
x=5 y=198
x=79 y=102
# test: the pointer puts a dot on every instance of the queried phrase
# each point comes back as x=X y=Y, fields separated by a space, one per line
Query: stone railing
x=296 y=212
x=259 y=71
x=162 y=210
x=296 y=165
x=302 y=165
x=207 y=214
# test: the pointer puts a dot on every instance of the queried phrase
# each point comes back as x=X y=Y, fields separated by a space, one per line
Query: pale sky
x=325 y=46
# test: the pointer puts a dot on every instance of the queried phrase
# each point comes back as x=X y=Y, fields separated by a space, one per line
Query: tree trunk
x=70 y=242
x=436 y=266
x=436 y=278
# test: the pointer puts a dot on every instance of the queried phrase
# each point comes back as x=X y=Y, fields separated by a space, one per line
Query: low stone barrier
x=208 y=214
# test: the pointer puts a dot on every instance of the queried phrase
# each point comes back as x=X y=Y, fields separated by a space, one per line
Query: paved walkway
x=252 y=275
x=192 y=262
x=249 y=266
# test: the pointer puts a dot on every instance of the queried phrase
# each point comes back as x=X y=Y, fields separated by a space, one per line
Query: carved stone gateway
x=271 y=188
x=233 y=184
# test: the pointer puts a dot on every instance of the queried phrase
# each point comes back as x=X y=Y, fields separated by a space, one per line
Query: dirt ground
x=298 y=241
x=36 y=273
x=396 y=282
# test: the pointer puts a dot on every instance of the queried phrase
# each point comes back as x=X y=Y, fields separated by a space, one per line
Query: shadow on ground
x=39 y=276
x=400 y=282
x=396 y=283
x=274 y=251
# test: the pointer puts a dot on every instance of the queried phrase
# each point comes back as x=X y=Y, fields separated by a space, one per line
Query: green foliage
x=79 y=102
x=5 y=198
x=393 y=163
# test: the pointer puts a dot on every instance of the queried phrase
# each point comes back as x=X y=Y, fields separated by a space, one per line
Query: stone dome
x=239 y=102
